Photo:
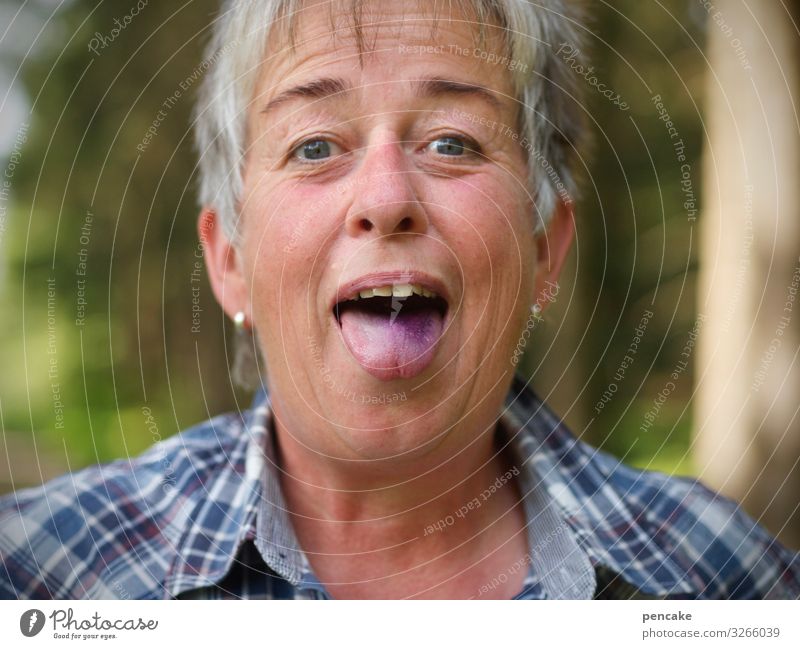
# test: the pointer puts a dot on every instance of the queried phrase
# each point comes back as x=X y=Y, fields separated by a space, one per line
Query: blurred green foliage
x=134 y=350
x=634 y=247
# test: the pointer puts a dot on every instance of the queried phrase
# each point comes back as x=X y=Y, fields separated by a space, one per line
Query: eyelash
x=471 y=148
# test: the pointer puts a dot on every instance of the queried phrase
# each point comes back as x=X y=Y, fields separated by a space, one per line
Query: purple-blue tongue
x=389 y=347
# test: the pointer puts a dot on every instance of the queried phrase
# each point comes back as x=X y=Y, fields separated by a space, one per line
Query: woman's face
x=397 y=174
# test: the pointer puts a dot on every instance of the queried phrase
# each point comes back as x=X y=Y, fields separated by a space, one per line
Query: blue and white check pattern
x=201 y=515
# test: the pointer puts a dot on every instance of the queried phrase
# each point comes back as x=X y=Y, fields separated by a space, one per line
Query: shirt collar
x=244 y=502
x=275 y=537
x=581 y=483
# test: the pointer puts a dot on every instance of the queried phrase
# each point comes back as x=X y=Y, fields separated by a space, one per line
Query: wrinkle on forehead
x=352 y=16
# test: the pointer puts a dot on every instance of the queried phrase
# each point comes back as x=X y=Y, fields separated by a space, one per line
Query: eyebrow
x=331 y=87
x=318 y=89
x=438 y=87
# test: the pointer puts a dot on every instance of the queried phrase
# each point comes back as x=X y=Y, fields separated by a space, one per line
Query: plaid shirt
x=201 y=515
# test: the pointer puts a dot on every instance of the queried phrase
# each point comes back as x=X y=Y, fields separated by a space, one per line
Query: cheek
x=491 y=232
x=284 y=220
x=286 y=231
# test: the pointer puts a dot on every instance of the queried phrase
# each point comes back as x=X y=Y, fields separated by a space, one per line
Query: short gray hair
x=551 y=119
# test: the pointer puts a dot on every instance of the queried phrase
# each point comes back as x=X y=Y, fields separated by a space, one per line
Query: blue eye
x=313 y=150
x=449 y=146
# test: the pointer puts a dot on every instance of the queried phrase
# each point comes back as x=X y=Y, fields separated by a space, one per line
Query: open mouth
x=392 y=300
x=392 y=330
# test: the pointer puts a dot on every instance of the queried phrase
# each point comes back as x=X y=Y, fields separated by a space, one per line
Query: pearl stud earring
x=239 y=320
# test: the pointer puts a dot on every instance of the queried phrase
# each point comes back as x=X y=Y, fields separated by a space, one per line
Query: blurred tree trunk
x=747 y=428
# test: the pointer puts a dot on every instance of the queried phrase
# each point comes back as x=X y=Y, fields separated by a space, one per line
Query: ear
x=552 y=247
x=224 y=265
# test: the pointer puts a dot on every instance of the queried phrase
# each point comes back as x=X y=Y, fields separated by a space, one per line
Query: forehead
x=349 y=19
x=394 y=33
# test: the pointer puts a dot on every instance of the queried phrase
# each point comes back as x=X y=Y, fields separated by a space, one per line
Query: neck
x=361 y=522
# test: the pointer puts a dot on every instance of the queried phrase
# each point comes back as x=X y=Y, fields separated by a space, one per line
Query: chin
x=400 y=442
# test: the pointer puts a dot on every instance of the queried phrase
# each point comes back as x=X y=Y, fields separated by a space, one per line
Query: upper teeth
x=395 y=290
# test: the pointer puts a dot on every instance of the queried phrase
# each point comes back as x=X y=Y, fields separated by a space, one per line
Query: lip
x=350 y=289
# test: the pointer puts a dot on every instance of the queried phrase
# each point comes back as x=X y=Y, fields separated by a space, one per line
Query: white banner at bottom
x=383 y=624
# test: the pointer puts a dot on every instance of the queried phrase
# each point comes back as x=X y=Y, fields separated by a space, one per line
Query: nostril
x=404 y=225
x=366 y=224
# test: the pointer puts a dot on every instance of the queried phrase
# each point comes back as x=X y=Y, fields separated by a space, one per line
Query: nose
x=385 y=201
